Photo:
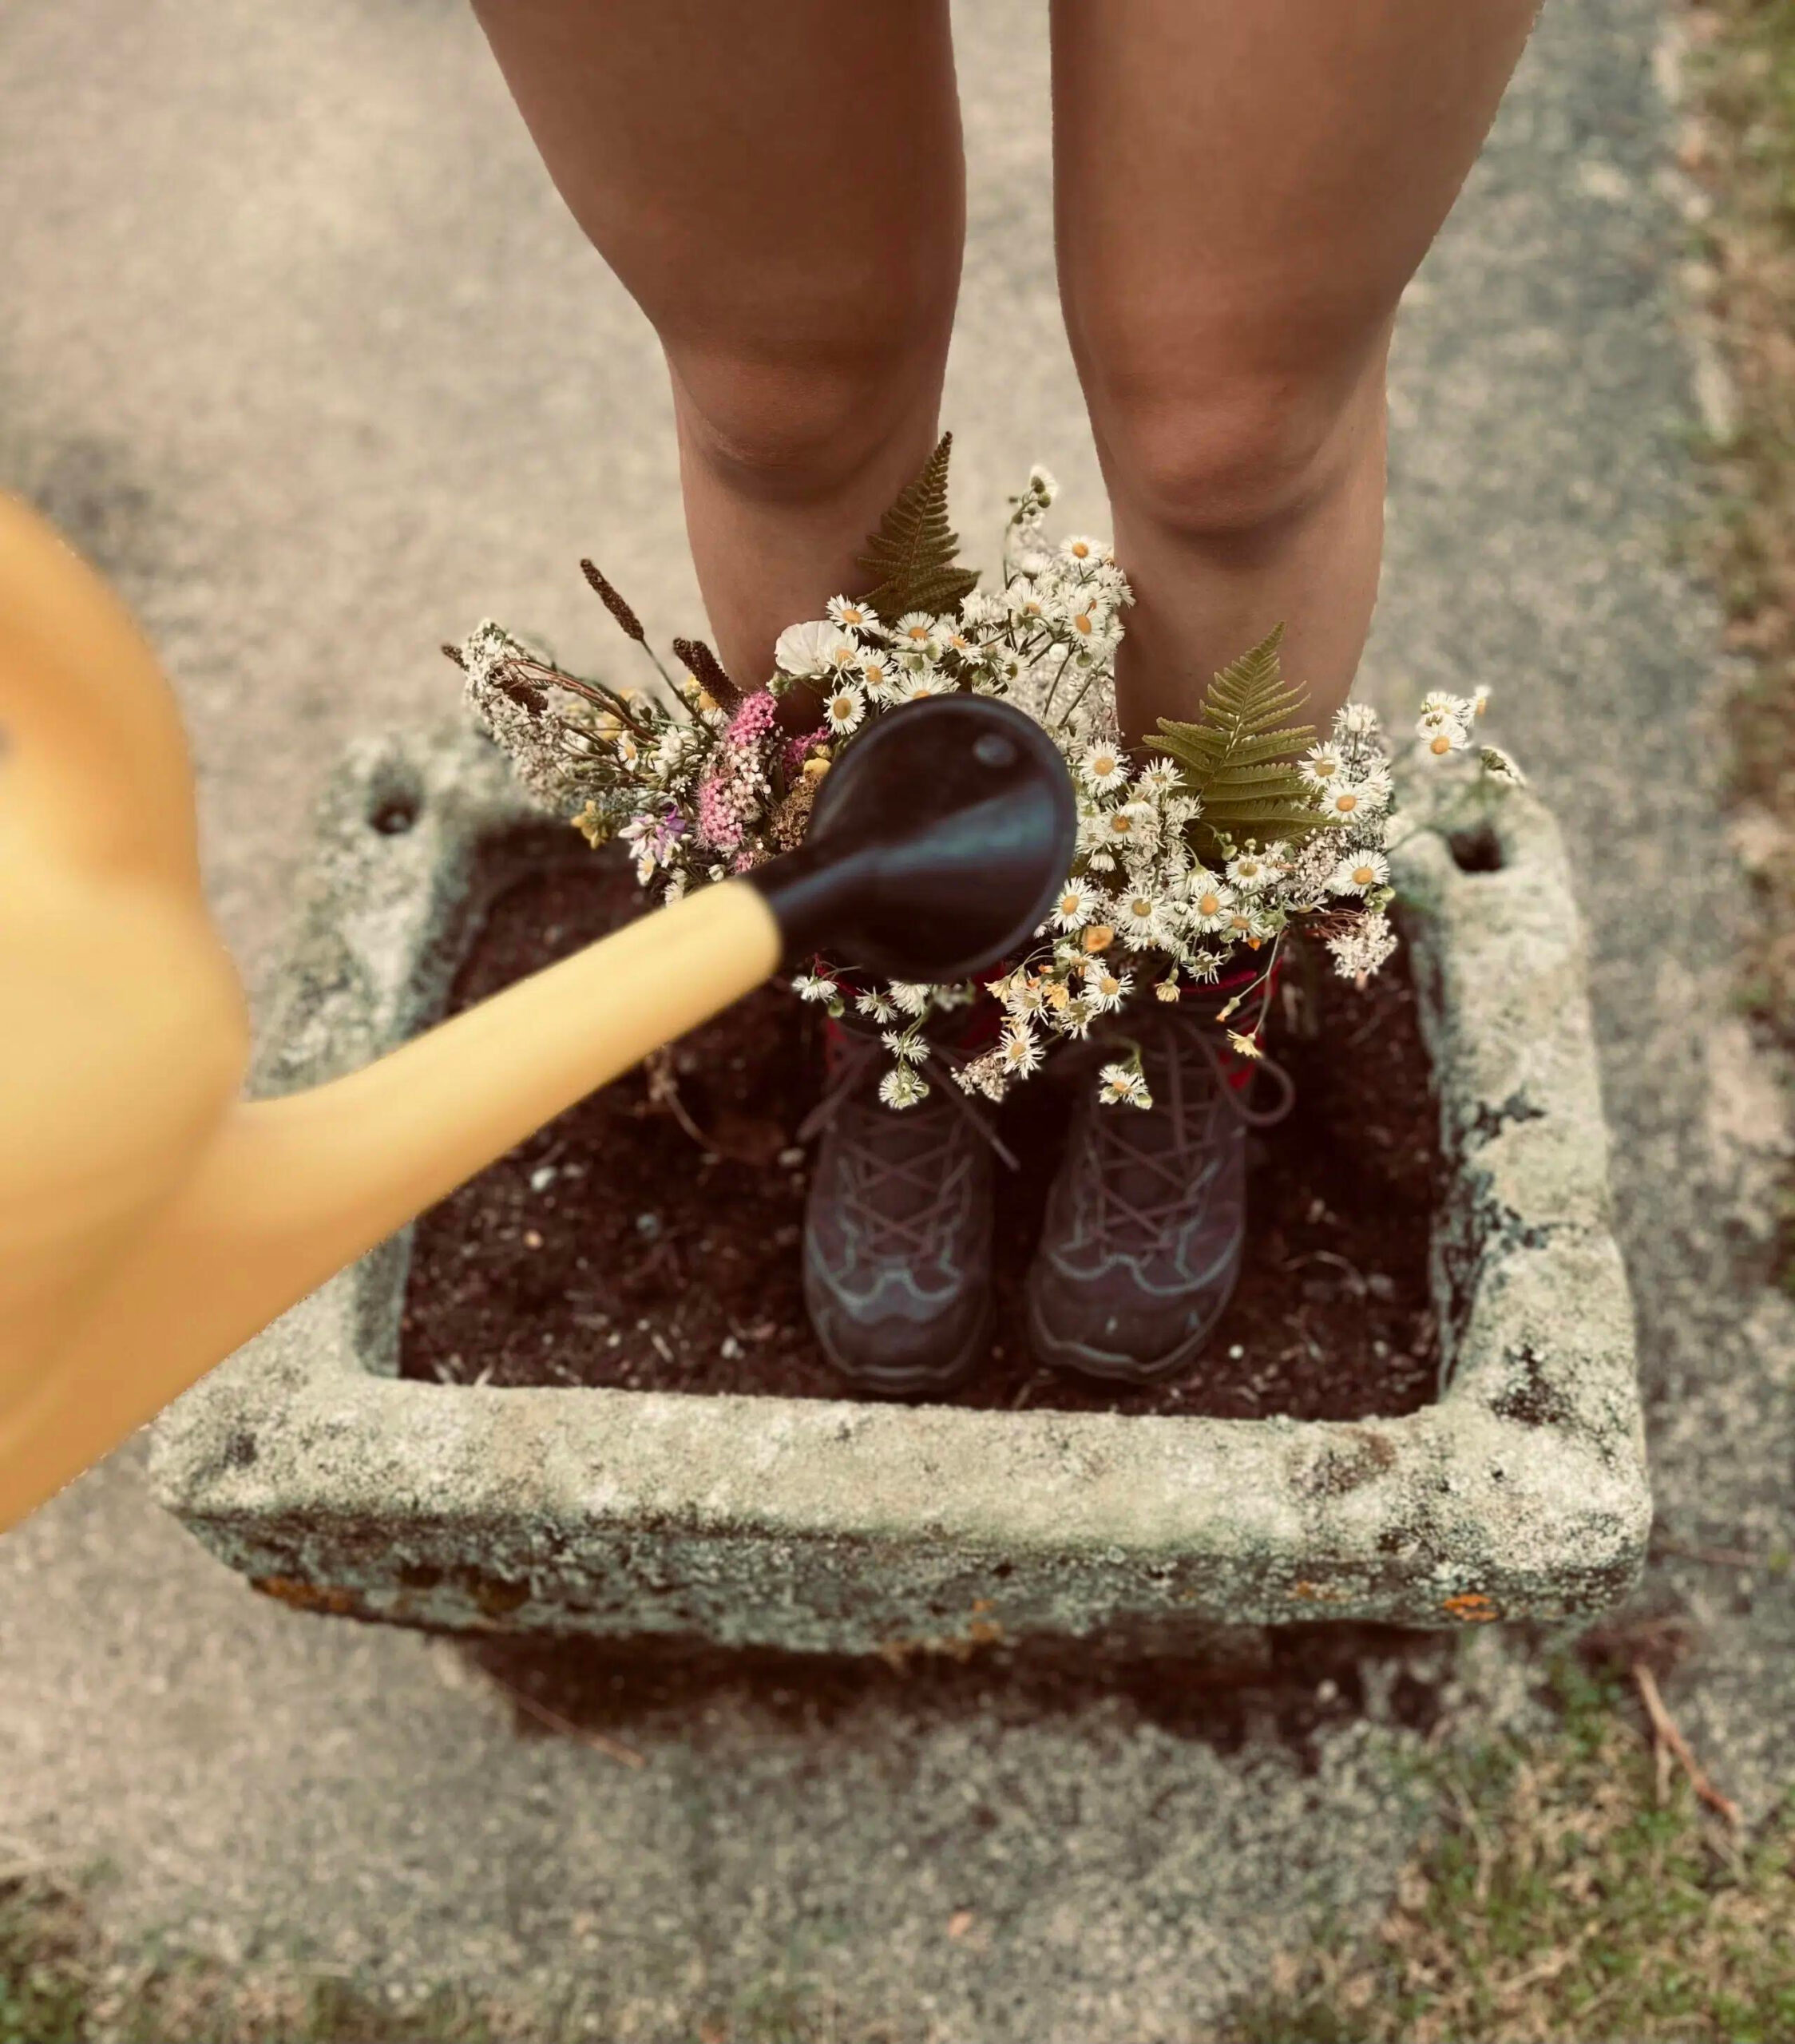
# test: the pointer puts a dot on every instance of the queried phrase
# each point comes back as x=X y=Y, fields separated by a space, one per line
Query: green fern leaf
x=912 y=554
x=1235 y=758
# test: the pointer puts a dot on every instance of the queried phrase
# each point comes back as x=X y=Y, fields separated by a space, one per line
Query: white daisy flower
x=1078 y=904
x=1355 y=800
x=905 y=1045
x=1208 y=901
x=1440 y=703
x=1441 y=734
x=916 y=631
x=845 y=709
x=1134 y=824
x=915 y=687
x=1122 y=1085
x=1252 y=924
x=909 y=995
x=816 y=647
x=1141 y=919
x=1075 y=1018
x=1203 y=965
x=1358 y=871
x=1244 y=1044
x=1021 y=1053
x=1158 y=778
x=1166 y=990
x=877 y=1004
x=1355 y=720
x=1321 y=765
x=902 y=1086
x=1252 y=870
x=856 y=615
x=1089 y=621
x=1106 y=991
x=1081 y=549
x=1042 y=486
x=814 y=986
x=880 y=676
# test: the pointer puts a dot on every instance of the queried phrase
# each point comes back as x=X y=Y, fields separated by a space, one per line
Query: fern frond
x=1235 y=757
x=912 y=554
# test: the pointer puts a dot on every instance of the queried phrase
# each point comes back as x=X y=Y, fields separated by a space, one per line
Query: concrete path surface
x=296 y=339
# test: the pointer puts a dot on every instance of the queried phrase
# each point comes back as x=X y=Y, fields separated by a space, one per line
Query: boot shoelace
x=927 y=1178
x=1178 y=1124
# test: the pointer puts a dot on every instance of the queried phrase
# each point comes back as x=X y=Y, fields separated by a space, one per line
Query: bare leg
x=1243 y=191
x=781 y=188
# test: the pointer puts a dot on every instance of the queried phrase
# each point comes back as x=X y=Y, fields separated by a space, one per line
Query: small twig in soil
x=1355 y=1277
x=1365 y=1028
x=1665 y=1733
x=612 y=1748
x=663 y=1091
x=1031 y=1385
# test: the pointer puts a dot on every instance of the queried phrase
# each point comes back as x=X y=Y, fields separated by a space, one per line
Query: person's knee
x=799 y=417
x=1232 y=453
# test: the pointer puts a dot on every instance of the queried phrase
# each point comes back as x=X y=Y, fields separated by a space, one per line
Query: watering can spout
x=150 y=1220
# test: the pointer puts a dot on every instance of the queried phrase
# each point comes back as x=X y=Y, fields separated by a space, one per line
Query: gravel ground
x=299 y=344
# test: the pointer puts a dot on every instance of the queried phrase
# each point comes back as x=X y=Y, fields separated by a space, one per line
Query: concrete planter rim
x=306 y=1463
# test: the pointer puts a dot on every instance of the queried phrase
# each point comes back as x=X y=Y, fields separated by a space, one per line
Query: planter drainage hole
x=1476 y=850
x=392 y=811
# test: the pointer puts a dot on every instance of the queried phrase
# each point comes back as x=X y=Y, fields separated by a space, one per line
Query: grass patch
x=1576 y=1890
x=58 y=1985
x=1738 y=142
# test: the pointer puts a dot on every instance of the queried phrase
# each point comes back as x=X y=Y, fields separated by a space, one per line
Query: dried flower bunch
x=1243 y=828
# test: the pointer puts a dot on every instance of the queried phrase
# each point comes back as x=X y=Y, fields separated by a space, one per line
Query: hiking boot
x=897 y=1228
x=1141 y=1247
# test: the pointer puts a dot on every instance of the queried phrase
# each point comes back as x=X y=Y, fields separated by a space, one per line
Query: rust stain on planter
x=898 y=1652
x=308 y=1596
x=1470 y=1607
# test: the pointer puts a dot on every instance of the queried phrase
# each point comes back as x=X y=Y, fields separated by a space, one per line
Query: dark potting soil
x=648 y=1238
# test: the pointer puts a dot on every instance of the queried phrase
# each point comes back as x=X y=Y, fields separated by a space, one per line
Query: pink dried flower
x=798 y=748
x=720 y=821
x=753 y=720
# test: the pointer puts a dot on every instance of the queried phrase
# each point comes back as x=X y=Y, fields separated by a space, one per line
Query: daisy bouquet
x=1198 y=857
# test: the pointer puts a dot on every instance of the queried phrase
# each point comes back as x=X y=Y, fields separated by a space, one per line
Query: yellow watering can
x=150 y=1222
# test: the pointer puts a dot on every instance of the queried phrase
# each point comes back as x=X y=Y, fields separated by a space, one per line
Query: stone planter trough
x=309 y=1465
